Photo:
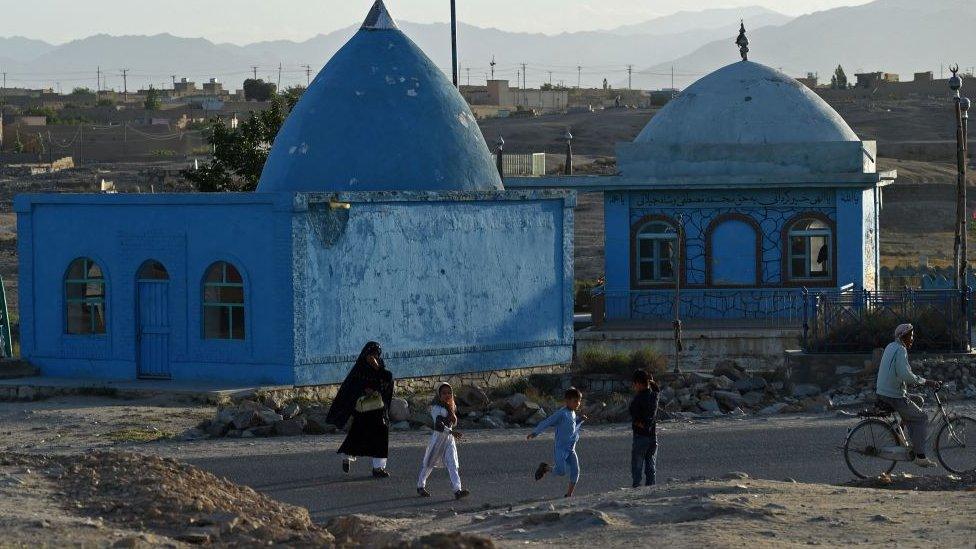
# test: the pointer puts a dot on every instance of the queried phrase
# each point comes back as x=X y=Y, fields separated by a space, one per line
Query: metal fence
x=772 y=308
x=524 y=165
x=861 y=320
x=921 y=277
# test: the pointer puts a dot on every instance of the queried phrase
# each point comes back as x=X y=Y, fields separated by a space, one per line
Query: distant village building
x=500 y=93
x=184 y=87
x=213 y=87
x=379 y=216
x=870 y=80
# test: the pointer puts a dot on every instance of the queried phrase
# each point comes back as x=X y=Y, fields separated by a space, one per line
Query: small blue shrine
x=379 y=216
x=739 y=193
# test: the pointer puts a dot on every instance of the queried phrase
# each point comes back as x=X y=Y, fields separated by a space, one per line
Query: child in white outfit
x=442 y=449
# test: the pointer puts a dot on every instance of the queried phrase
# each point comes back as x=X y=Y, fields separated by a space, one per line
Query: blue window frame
x=223 y=303
x=84 y=298
x=656 y=243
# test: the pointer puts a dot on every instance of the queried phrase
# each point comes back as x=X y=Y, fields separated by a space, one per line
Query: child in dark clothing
x=643 y=413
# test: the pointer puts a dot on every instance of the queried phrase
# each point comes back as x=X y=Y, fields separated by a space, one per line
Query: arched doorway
x=153 y=329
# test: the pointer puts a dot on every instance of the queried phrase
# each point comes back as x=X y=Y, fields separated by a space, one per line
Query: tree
x=839 y=79
x=239 y=154
x=258 y=90
x=292 y=95
x=153 y=102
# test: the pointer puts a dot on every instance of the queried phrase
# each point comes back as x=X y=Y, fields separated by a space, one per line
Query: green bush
x=620 y=363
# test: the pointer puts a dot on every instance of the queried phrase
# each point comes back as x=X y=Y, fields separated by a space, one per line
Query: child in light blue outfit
x=567 y=426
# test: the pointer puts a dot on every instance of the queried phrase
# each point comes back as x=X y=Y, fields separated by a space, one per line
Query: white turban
x=903 y=329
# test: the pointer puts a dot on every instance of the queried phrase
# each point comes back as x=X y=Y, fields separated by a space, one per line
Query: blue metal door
x=153 y=330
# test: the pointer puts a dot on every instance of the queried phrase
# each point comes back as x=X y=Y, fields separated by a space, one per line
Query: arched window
x=810 y=253
x=152 y=270
x=734 y=251
x=223 y=302
x=656 y=244
x=84 y=298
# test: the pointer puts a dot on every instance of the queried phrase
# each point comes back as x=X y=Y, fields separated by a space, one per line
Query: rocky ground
x=732 y=512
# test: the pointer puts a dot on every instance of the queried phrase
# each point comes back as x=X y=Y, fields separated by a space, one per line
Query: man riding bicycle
x=894 y=374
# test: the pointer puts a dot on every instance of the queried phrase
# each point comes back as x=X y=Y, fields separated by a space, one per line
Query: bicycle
x=876 y=444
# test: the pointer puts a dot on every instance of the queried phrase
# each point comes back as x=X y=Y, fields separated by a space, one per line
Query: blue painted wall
x=187 y=233
x=447 y=282
x=770 y=209
x=733 y=261
x=480 y=282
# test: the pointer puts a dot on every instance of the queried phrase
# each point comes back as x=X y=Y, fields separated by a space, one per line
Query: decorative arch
x=787 y=253
x=223 y=300
x=152 y=269
x=636 y=259
x=710 y=252
x=85 y=297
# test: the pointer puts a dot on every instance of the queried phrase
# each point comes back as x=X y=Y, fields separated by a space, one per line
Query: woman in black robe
x=369 y=433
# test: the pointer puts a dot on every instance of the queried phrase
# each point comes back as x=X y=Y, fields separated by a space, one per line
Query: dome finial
x=379 y=18
x=742 y=41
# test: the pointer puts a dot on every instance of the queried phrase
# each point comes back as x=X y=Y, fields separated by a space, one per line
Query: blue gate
x=154 y=329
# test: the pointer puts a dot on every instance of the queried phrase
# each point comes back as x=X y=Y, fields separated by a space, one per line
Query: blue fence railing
x=757 y=307
x=863 y=320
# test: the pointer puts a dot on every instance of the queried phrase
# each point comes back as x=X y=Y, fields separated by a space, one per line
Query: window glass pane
x=215 y=273
x=216 y=323
x=74 y=291
x=97 y=313
x=667 y=273
x=94 y=290
x=211 y=294
x=233 y=275
x=77 y=318
x=94 y=271
x=647 y=271
x=666 y=249
x=646 y=248
x=76 y=271
x=798 y=245
x=237 y=314
x=797 y=269
x=231 y=294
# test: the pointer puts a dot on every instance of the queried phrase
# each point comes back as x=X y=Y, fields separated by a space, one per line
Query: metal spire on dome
x=379 y=18
x=742 y=41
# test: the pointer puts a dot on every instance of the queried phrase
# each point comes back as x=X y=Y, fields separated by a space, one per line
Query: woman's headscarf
x=437 y=393
x=352 y=388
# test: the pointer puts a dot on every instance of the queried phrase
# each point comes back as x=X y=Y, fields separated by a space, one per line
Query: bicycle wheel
x=955 y=446
x=863 y=445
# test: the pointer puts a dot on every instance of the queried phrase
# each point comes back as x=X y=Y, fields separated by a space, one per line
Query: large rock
x=316 y=424
x=709 y=405
x=728 y=369
x=217 y=428
x=472 y=396
x=262 y=431
x=746 y=384
x=269 y=417
x=193 y=433
x=520 y=408
x=722 y=382
x=536 y=418
x=754 y=398
x=290 y=427
x=399 y=410
x=729 y=399
x=773 y=409
x=803 y=390
x=245 y=419
x=400 y=426
x=491 y=422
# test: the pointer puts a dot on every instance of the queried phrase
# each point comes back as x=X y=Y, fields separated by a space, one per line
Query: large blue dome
x=380 y=117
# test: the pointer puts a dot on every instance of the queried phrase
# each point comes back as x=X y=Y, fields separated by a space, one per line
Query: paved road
x=497 y=465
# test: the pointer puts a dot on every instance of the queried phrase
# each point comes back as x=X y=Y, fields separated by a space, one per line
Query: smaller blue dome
x=380 y=117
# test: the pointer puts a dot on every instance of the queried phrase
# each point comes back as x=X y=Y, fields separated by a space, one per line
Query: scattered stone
x=193 y=433
x=735 y=475
x=245 y=419
x=803 y=390
x=490 y=422
x=709 y=405
x=536 y=418
x=290 y=427
x=291 y=410
x=400 y=426
x=748 y=384
x=730 y=399
x=472 y=396
x=316 y=424
x=773 y=409
x=399 y=410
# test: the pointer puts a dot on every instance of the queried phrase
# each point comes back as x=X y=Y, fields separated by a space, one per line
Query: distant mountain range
x=901 y=36
x=154 y=59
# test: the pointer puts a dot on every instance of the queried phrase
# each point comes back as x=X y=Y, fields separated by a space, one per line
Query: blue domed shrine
x=379 y=216
x=741 y=192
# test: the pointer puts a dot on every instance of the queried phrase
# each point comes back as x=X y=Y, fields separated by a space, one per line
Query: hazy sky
x=242 y=21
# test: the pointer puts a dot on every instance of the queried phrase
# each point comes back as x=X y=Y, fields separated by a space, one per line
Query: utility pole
x=579 y=77
x=279 y=75
x=550 y=79
x=254 y=69
x=125 y=85
x=630 y=77
x=468 y=70
x=98 y=79
x=492 y=67
x=454 y=51
x=308 y=75
x=962 y=129
x=525 y=85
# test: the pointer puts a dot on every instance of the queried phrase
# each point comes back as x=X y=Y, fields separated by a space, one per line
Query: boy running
x=567 y=427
